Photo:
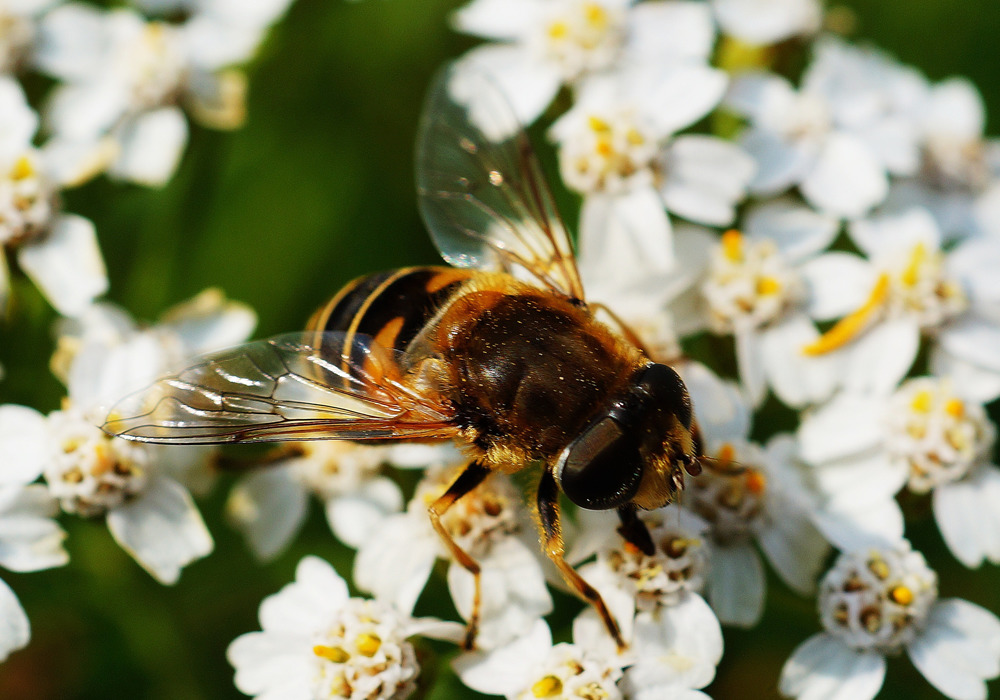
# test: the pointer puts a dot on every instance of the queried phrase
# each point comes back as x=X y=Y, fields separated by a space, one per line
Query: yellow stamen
x=768 y=285
x=954 y=408
x=878 y=567
x=596 y=15
x=852 y=325
x=604 y=148
x=756 y=482
x=634 y=137
x=732 y=245
x=22 y=169
x=922 y=402
x=368 y=644
x=558 y=30
x=547 y=687
x=901 y=595
x=911 y=274
x=598 y=124
x=334 y=654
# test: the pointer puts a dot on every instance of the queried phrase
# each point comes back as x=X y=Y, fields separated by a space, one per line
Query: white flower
x=18 y=28
x=125 y=77
x=58 y=251
x=761 y=22
x=960 y=169
x=269 y=505
x=926 y=437
x=749 y=493
x=617 y=147
x=547 y=43
x=910 y=287
x=878 y=602
x=837 y=137
x=317 y=642
x=758 y=285
x=674 y=637
x=492 y=525
x=532 y=667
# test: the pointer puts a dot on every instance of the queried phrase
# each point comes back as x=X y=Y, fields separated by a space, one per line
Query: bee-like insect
x=500 y=353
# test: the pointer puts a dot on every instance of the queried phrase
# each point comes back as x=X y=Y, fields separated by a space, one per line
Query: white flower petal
x=66 y=264
x=779 y=164
x=504 y=671
x=974 y=340
x=722 y=413
x=396 y=561
x=736 y=585
x=498 y=19
x=750 y=361
x=15 y=631
x=706 y=177
x=267 y=662
x=795 y=548
x=513 y=592
x=846 y=426
x=316 y=594
x=955 y=110
x=72 y=42
x=846 y=180
x=966 y=513
x=760 y=22
x=877 y=361
x=889 y=233
x=796 y=378
x=354 y=516
x=958 y=649
x=29 y=539
x=799 y=231
x=528 y=85
x=86 y=111
x=677 y=95
x=838 y=283
x=850 y=524
x=24 y=444
x=822 y=668
x=268 y=507
x=662 y=31
x=161 y=529
x=678 y=645
x=151 y=147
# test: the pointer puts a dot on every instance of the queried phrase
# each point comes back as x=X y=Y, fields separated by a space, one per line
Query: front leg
x=471 y=477
x=552 y=542
x=634 y=531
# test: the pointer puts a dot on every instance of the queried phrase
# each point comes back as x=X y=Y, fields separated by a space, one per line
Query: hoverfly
x=500 y=353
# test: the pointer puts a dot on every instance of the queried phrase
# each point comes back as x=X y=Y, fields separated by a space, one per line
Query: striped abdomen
x=391 y=307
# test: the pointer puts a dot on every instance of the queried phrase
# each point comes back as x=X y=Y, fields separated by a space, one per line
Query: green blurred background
x=316 y=189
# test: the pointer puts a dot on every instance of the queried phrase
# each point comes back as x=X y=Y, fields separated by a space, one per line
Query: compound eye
x=602 y=468
x=667 y=391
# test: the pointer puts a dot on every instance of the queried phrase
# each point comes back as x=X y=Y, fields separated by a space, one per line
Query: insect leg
x=634 y=531
x=548 y=512
x=469 y=479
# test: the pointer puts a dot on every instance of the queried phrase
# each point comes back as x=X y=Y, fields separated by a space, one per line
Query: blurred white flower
x=269 y=505
x=532 y=666
x=959 y=176
x=492 y=525
x=544 y=44
x=925 y=436
x=18 y=29
x=30 y=539
x=617 y=147
x=127 y=77
x=760 y=22
x=908 y=288
x=839 y=136
x=317 y=642
x=877 y=602
x=58 y=251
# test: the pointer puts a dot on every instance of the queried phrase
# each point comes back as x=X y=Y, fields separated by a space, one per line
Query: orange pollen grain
x=726 y=454
x=954 y=408
x=901 y=595
x=756 y=482
x=851 y=326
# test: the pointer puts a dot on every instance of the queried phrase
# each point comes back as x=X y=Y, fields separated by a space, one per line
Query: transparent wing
x=482 y=192
x=302 y=386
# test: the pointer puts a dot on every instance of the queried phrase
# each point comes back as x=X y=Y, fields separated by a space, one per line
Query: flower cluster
x=122 y=82
x=832 y=235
